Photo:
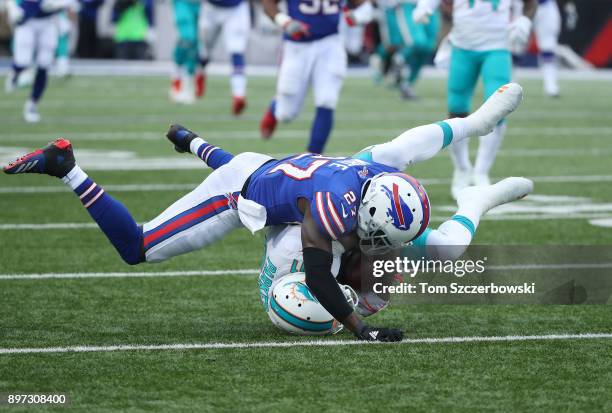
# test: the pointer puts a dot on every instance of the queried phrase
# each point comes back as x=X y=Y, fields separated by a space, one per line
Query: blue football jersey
x=322 y=17
x=332 y=186
x=225 y=3
x=32 y=10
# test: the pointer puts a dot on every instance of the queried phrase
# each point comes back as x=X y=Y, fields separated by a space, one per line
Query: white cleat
x=499 y=105
x=9 y=82
x=461 y=180
x=481 y=180
x=30 y=112
x=485 y=198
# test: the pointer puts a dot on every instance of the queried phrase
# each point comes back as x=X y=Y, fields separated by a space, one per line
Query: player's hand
x=420 y=15
x=359 y=16
x=296 y=29
x=519 y=32
x=383 y=334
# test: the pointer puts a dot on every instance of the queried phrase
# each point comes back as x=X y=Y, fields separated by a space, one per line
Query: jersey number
x=320 y=6
x=298 y=173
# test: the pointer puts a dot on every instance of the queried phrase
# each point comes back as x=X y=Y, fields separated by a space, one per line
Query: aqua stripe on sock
x=466 y=222
x=448 y=133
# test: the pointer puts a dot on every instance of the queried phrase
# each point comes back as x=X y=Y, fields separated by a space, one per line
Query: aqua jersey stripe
x=448 y=133
x=298 y=322
x=466 y=222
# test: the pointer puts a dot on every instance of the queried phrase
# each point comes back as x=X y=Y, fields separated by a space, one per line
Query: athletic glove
x=519 y=32
x=293 y=28
x=384 y=334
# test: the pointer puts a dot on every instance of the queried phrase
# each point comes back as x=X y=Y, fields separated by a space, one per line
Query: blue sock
x=114 y=220
x=321 y=129
x=16 y=70
x=272 y=107
x=238 y=62
x=40 y=82
x=212 y=155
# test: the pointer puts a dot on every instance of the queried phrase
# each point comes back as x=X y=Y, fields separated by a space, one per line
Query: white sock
x=195 y=145
x=487 y=149
x=549 y=73
x=461 y=155
x=238 y=82
x=449 y=241
x=75 y=177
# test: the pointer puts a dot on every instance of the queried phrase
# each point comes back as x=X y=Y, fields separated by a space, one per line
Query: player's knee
x=458 y=105
x=327 y=101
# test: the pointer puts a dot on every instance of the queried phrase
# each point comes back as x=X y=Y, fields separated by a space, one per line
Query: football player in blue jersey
x=313 y=54
x=361 y=201
x=35 y=35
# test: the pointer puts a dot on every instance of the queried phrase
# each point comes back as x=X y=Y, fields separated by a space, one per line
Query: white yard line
x=308 y=343
x=254 y=271
x=154 y=187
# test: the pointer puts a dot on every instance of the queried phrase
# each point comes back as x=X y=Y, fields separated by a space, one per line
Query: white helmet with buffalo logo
x=394 y=210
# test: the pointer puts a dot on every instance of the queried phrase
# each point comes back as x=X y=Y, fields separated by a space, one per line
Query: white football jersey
x=481 y=24
x=283 y=256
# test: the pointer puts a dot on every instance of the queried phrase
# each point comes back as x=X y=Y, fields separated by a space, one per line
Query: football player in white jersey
x=482 y=36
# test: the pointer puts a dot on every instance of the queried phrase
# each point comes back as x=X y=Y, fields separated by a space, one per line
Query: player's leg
x=423 y=142
x=209 y=29
x=463 y=74
x=496 y=71
x=203 y=216
x=236 y=35
x=452 y=238
x=46 y=43
x=291 y=87
x=62 y=55
x=111 y=216
x=327 y=77
x=547 y=27
x=24 y=43
x=185 y=52
x=185 y=140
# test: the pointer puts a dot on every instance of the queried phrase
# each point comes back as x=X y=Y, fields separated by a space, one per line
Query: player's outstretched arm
x=319 y=278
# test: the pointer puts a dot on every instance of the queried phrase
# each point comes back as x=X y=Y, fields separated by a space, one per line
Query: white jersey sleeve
x=481 y=25
x=283 y=256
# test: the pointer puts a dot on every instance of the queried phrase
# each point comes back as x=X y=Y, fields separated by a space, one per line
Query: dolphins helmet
x=394 y=210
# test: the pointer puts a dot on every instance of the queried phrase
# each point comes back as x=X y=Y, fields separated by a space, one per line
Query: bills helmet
x=394 y=210
x=294 y=309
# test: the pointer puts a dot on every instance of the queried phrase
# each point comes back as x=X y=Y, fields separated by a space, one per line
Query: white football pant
x=36 y=36
x=320 y=63
x=204 y=215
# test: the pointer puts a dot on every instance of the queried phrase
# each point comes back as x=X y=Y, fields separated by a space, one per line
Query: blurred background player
x=407 y=44
x=231 y=19
x=547 y=27
x=62 y=55
x=482 y=36
x=34 y=41
x=183 y=87
x=312 y=54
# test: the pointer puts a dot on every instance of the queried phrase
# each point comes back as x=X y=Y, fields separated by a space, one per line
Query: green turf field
x=120 y=122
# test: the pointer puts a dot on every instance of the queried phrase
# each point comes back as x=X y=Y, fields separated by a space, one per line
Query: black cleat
x=55 y=159
x=181 y=137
